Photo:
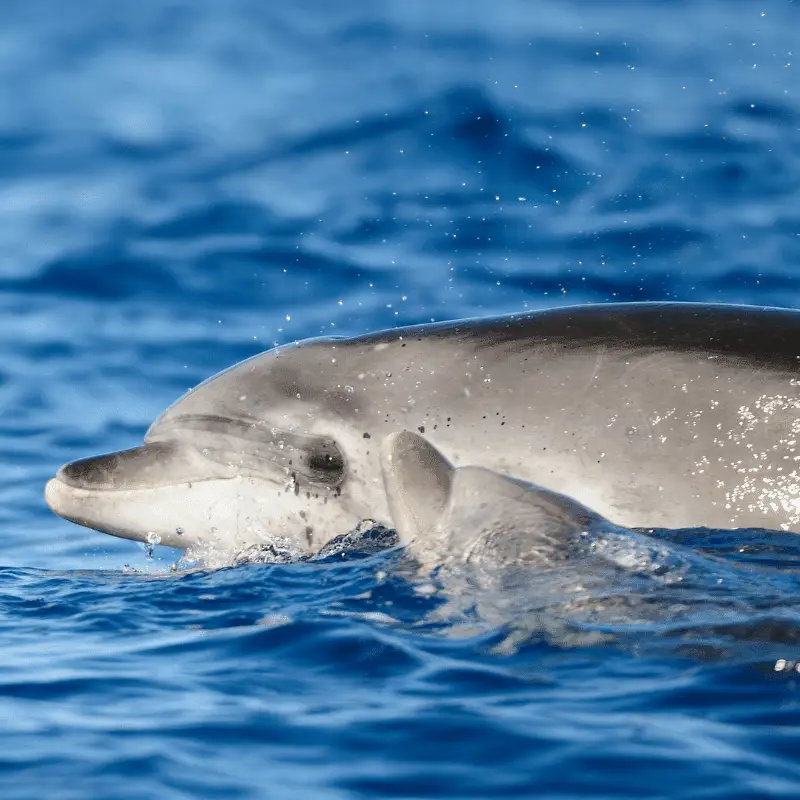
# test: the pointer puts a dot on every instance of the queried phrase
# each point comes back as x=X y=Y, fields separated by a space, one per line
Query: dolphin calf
x=505 y=553
x=472 y=519
x=472 y=514
x=663 y=415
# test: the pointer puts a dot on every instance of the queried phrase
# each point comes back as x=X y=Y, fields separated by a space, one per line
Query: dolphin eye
x=326 y=465
x=325 y=461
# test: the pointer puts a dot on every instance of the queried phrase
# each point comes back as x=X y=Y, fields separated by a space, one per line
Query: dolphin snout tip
x=73 y=504
x=72 y=486
x=49 y=490
x=54 y=491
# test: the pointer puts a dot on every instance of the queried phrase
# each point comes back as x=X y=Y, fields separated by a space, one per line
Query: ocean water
x=183 y=185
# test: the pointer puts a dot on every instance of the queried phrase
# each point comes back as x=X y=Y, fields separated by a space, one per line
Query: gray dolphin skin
x=655 y=415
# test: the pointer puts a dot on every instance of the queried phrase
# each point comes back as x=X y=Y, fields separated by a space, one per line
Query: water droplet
x=152 y=540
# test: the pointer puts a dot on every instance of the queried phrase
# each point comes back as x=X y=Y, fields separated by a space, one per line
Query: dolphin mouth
x=93 y=491
x=141 y=492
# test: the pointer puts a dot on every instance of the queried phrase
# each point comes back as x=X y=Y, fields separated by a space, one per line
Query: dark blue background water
x=183 y=185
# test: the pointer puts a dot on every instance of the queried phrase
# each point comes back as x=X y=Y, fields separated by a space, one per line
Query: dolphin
x=473 y=514
x=663 y=415
x=457 y=519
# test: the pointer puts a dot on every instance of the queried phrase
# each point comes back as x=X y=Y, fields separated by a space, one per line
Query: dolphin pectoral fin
x=417 y=479
x=493 y=517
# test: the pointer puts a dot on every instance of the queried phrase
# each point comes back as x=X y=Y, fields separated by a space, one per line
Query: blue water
x=183 y=185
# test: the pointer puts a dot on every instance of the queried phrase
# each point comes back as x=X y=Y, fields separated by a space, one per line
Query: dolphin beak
x=139 y=467
x=92 y=491
x=152 y=466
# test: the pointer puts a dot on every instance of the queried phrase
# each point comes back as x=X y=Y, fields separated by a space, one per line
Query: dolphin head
x=253 y=455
